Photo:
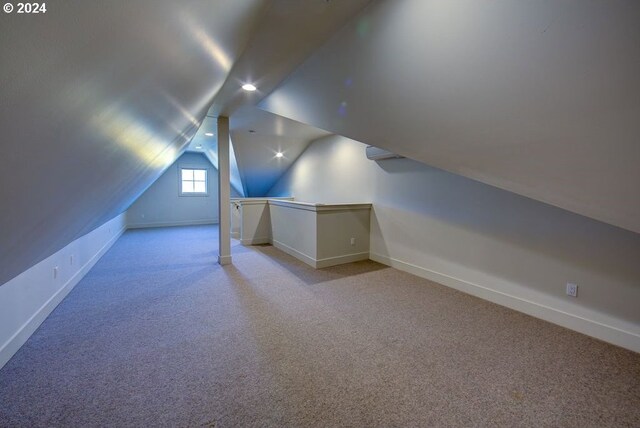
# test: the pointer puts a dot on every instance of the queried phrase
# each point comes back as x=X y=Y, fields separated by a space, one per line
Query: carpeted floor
x=158 y=334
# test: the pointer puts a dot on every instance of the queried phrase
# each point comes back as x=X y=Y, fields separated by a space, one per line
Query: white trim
x=257 y=201
x=235 y=235
x=617 y=335
x=320 y=263
x=308 y=206
x=295 y=253
x=20 y=337
x=173 y=223
x=224 y=260
x=339 y=260
x=193 y=168
x=255 y=241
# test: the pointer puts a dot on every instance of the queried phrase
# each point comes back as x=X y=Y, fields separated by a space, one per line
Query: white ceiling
x=539 y=98
x=288 y=32
x=256 y=151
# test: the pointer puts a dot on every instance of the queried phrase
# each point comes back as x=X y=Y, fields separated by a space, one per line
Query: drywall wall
x=251 y=220
x=482 y=240
x=321 y=235
x=162 y=205
x=536 y=97
x=27 y=299
x=294 y=231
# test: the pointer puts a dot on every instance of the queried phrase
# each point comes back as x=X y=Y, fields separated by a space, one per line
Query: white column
x=224 y=191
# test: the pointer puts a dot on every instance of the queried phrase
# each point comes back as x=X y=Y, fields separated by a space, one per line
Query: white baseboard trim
x=15 y=342
x=255 y=241
x=224 y=260
x=617 y=335
x=172 y=223
x=295 y=253
x=339 y=260
x=320 y=263
x=235 y=235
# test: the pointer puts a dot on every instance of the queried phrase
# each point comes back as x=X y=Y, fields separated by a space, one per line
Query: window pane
x=187 y=187
x=200 y=187
x=199 y=174
x=187 y=174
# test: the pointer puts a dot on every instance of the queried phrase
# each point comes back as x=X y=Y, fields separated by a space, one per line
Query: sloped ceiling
x=288 y=32
x=205 y=142
x=98 y=98
x=257 y=136
x=540 y=98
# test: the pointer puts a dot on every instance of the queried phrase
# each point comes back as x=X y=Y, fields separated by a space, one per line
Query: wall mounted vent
x=375 y=153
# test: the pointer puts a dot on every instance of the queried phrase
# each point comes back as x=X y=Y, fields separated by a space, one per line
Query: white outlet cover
x=55 y=272
x=572 y=289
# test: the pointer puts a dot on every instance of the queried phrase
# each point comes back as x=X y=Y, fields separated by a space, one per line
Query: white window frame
x=193 y=168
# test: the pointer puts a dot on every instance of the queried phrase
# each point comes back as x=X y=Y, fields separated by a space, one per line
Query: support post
x=224 y=192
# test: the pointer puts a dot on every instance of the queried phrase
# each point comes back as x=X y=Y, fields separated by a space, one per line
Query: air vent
x=375 y=153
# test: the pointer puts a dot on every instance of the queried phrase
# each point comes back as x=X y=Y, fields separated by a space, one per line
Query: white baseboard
x=320 y=263
x=172 y=223
x=224 y=260
x=339 y=260
x=235 y=235
x=19 y=338
x=619 y=335
x=295 y=253
x=256 y=241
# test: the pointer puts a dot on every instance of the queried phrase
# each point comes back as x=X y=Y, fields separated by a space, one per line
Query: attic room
x=320 y=213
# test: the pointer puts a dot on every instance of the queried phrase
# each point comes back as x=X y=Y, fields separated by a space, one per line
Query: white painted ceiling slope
x=205 y=142
x=258 y=136
x=541 y=98
x=287 y=33
x=98 y=98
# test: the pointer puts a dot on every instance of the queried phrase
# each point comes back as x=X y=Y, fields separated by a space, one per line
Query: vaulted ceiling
x=98 y=98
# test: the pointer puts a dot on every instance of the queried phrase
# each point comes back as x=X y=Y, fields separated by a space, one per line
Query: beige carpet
x=158 y=335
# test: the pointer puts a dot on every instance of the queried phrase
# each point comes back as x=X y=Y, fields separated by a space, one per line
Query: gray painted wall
x=162 y=205
x=439 y=222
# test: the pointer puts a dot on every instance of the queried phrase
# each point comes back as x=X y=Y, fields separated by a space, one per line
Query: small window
x=193 y=181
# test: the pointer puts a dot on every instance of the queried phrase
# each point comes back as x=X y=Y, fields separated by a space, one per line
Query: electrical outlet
x=353 y=241
x=71 y=259
x=55 y=272
x=572 y=289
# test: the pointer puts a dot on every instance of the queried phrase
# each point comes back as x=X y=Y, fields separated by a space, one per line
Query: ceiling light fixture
x=198 y=146
x=249 y=87
x=209 y=134
x=279 y=155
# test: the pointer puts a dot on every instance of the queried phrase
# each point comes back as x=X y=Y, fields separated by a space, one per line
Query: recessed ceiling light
x=198 y=146
x=249 y=87
x=209 y=134
x=279 y=155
